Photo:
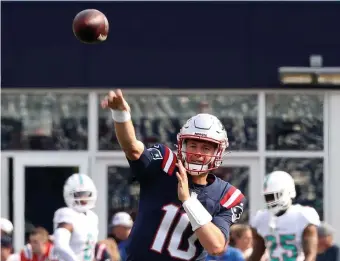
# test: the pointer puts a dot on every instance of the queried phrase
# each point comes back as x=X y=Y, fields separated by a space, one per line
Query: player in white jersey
x=76 y=226
x=287 y=231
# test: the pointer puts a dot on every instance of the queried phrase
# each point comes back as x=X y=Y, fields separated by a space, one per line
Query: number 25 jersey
x=283 y=234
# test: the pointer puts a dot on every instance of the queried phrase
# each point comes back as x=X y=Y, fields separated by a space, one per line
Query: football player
x=179 y=215
x=288 y=231
x=76 y=226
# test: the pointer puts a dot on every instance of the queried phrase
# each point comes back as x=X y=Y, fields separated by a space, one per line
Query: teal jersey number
x=88 y=249
x=287 y=242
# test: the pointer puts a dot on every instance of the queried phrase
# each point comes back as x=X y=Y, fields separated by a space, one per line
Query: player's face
x=37 y=243
x=200 y=152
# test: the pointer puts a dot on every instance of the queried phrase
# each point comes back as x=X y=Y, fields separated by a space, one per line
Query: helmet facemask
x=202 y=127
x=278 y=191
x=278 y=201
x=80 y=193
x=210 y=162
x=81 y=200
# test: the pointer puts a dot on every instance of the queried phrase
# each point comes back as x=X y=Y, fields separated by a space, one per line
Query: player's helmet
x=278 y=191
x=80 y=193
x=204 y=127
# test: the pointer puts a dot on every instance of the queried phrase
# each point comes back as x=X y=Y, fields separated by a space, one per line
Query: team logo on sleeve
x=155 y=153
x=236 y=212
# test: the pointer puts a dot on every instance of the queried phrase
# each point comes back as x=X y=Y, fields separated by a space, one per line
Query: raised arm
x=125 y=131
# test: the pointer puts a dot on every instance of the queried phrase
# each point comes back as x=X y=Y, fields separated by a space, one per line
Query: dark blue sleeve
x=154 y=161
x=228 y=216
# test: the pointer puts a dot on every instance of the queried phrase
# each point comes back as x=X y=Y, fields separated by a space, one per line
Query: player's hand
x=115 y=101
x=183 y=184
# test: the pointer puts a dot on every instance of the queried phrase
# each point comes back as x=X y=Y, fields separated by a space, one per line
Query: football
x=90 y=26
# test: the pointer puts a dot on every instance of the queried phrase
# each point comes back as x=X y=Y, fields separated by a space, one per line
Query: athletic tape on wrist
x=197 y=214
x=120 y=116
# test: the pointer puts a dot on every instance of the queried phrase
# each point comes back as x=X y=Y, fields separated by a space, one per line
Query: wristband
x=197 y=214
x=120 y=116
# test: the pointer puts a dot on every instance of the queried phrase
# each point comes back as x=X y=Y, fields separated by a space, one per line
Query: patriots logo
x=155 y=153
x=236 y=212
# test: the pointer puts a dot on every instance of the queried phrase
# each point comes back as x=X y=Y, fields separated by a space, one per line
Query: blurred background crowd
x=38 y=242
x=173 y=60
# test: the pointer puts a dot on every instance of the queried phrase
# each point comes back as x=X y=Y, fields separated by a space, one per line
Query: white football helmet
x=80 y=193
x=278 y=191
x=202 y=127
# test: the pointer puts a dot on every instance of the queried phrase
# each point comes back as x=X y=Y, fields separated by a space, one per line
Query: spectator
x=6 y=226
x=241 y=238
x=107 y=250
x=327 y=250
x=231 y=254
x=7 y=249
x=39 y=247
x=120 y=230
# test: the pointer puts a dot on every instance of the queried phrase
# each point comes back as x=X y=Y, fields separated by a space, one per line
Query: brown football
x=90 y=26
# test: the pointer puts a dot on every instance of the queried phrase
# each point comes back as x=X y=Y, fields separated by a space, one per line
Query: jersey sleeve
x=256 y=220
x=156 y=160
x=231 y=210
x=63 y=215
x=310 y=216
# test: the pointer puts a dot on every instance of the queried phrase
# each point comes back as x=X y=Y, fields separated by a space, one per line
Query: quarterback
x=76 y=226
x=179 y=215
x=288 y=231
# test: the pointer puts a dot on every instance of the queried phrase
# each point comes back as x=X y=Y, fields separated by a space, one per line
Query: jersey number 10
x=171 y=212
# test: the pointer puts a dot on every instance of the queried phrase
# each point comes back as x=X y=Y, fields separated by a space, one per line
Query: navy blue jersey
x=162 y=231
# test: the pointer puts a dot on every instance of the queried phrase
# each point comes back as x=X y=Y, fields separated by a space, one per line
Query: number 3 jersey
x=162 y=231
x=85 y=231
x=283 y=234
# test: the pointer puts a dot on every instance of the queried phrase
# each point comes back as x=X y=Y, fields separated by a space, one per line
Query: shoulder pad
x=64 y=215
x=255 y=220
x=94 y=216
x=232 y=197
x=310 y=214
x=166 y=155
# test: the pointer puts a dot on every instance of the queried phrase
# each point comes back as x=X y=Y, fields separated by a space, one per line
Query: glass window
x=44 y=121
x=158 y=118
x=123 y=191
x=294 y=122
x=308 y=176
